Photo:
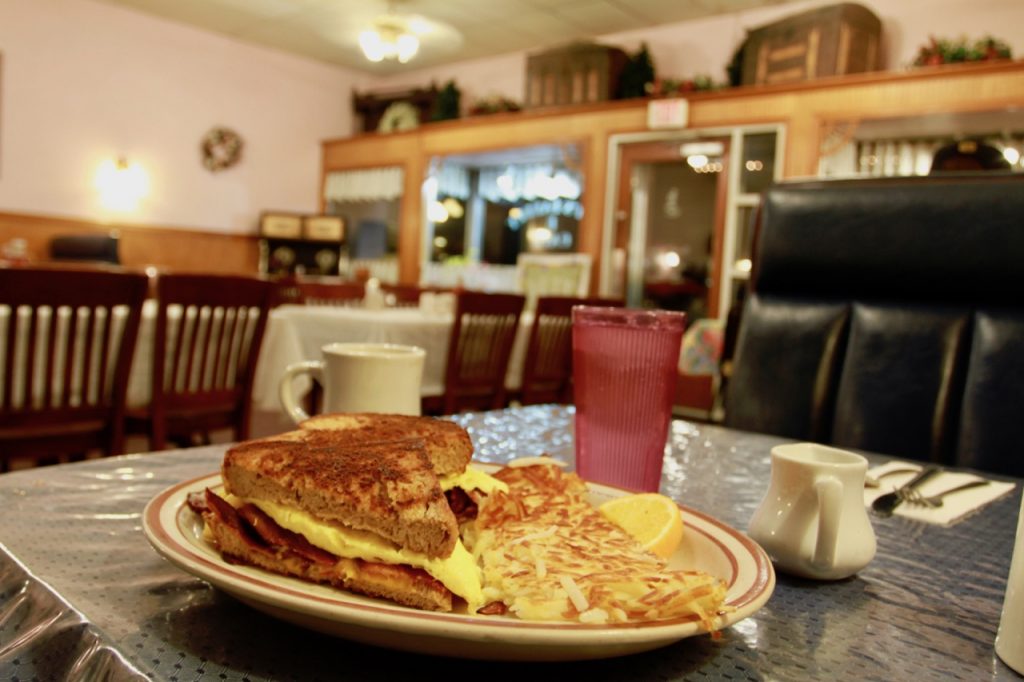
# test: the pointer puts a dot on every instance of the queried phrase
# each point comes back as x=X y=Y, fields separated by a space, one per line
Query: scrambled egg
x=458 y=572
x=473 y=479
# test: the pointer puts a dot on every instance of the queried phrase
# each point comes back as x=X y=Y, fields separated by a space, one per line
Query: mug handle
x=315 y=368
x=830 y=501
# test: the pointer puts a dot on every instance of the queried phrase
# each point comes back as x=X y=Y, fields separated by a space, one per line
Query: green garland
x=944 y=51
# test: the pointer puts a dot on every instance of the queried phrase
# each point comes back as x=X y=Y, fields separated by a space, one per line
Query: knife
x=887 y=503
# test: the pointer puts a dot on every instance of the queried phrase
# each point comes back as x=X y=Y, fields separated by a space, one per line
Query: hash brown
x=548 y=554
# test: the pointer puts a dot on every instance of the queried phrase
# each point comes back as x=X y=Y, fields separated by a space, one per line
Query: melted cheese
x=458 y=572
x=473 y=479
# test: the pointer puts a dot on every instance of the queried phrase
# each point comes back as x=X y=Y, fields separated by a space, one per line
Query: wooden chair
x=480 y=345
x=404 y=294
x=330 y=293
x=547 y=368
x=552 y=274
x=209 y=329
x=286 y=292
x=66 y=342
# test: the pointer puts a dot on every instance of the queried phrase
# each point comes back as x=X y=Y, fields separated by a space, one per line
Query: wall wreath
x=221 y=148
x=399 y=116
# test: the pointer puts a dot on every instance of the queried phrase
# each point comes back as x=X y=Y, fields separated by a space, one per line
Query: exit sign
x=668 y=113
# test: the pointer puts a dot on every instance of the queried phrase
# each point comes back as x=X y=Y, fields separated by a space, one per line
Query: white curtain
x=370 y=184
x=529 y=182
x=453 y=181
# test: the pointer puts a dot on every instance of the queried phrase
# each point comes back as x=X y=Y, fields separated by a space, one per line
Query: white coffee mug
x=360 y=377
x=812 y=521
x=1010 y=640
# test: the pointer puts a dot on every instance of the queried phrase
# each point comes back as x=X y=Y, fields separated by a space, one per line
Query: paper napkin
x=954 y=507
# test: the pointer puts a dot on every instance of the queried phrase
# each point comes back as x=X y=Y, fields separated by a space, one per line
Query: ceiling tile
x=327 y=30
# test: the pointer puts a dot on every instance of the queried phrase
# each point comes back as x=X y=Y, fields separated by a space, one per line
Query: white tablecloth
x=296 y=333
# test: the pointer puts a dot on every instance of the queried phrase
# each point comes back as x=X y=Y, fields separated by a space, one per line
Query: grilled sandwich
x=447 y=444
x=343 y=507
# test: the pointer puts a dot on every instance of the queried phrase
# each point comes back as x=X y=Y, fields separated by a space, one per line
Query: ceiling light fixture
x=388 y=40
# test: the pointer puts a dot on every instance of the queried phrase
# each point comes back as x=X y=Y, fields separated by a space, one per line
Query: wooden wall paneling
x=141 y=246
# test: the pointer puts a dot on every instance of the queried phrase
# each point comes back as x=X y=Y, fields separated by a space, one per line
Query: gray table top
x=83 y=596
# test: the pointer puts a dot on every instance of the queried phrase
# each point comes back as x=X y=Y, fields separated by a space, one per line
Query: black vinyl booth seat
x=888 y=315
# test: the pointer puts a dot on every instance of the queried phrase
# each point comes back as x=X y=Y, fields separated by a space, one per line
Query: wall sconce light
x=121 y=185
x=388 y=40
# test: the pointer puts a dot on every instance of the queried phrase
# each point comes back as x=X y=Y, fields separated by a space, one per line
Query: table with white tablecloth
x=296 y=333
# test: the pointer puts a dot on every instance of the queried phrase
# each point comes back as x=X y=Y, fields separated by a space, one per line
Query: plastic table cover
x=84 y=596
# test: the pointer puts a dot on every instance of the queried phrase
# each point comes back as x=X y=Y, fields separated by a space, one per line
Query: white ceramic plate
x=709 y=545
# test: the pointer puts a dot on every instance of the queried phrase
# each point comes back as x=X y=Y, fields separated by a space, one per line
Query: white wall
x=706 y=46
x=83 y=81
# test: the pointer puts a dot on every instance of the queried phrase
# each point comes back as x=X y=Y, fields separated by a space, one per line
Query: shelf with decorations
x=292 y=243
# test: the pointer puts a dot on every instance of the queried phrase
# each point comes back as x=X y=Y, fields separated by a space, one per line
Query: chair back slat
x=69 y=355
x=67 y=344
x=50 y=357
x=547 y=368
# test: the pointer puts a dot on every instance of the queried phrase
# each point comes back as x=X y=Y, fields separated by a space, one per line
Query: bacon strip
x=275 y=535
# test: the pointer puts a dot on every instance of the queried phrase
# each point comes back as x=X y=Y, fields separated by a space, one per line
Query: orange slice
x=653 y=519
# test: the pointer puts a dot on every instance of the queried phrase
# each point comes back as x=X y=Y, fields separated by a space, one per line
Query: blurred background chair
x=547 y=368
x=209 y=329
x=479 y=349
x=886 y=315
x=97 y=248
x=330 y=293
x=402 y=294
x=66 y=344
x=552 y=274
x=286 y=291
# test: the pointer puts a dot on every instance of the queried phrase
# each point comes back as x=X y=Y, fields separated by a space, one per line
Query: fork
x=914 y=496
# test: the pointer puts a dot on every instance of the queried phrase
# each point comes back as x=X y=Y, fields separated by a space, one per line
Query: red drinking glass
x=624 y=373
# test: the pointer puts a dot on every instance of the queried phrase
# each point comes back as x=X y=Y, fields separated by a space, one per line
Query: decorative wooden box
x=828 y=41
x=575 y=74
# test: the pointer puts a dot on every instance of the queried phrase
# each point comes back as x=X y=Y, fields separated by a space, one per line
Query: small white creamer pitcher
x=812 y=522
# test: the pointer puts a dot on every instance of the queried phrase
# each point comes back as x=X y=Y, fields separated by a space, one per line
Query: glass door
x=679 y=219
x=672 y=207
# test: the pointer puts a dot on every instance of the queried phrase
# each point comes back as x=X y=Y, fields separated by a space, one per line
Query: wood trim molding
x=806 y=109
x=179 y=249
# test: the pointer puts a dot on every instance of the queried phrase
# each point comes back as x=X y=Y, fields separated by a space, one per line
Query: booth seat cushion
x=885 y=315
x=992 y=419
x=897 y=389
x=791 y=352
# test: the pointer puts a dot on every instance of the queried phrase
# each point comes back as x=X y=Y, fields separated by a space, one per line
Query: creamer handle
x=830 y=505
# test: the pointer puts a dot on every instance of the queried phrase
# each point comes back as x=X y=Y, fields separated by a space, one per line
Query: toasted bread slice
x=243 y=542
x=389 y=489
x=448 y=445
